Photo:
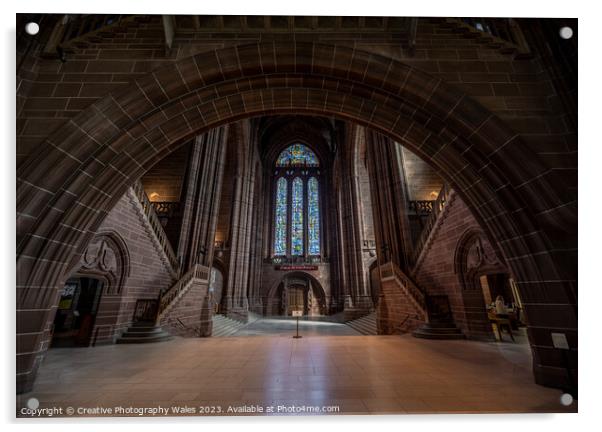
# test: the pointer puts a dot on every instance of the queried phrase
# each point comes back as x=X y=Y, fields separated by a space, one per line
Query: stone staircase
x=443 y=329
x=365 y=325
x=224 y=326
x=143 y=332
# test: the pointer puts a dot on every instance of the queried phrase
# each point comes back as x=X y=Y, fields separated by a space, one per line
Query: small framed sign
x=297 y=313
x=559 y=341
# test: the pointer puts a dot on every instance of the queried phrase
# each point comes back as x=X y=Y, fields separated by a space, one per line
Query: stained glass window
x=313 y=216
x=281 y=208
x=297 y=218
x=297 y=155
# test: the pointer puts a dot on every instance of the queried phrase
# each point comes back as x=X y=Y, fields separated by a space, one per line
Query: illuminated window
x=281 y=212
x=297 y=155
x=313 y=216
x=297 y=203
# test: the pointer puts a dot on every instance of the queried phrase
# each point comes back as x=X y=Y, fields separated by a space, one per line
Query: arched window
x=281 y=211
x=297 y=155
x=297 y=203
x=313 y=216
x=297 y=225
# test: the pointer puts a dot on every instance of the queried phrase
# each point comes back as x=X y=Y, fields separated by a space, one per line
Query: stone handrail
x=437 y=206
x=156 y=226
x=167 y=298
x=391 y=271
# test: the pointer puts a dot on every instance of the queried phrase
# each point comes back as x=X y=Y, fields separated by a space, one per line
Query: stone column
x=256 y=257
x=359 y=300
x=237 y=303
x=201 y=205
x=389 y=200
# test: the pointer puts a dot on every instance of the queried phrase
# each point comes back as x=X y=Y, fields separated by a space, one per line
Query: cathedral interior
x=191 y=190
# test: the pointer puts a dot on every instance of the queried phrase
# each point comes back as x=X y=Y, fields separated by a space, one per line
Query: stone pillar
x=201 y=204
x=389 y=200
x=237 y=303
x=256 y=257
x=359 y=300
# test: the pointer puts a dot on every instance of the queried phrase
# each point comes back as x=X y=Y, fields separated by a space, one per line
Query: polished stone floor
x=286 y=327
x=347 y=375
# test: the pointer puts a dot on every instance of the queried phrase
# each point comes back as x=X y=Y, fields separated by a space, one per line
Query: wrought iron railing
x=156 y=225
x=145 y=310
x=166 y=209
x=296 y=260
x=437 y=207
x=421 y=207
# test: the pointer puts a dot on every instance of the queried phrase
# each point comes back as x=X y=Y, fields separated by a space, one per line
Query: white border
x=590 y=211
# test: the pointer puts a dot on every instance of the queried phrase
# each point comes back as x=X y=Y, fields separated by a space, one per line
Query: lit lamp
x=154 y=196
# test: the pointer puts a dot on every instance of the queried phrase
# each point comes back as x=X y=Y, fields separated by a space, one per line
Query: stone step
x=224 y=326
x=439 y=336
x=138 y=333
x=450 y=328
x=137 y=340
x=439 y=330
x=143 y=330
x=365 y=325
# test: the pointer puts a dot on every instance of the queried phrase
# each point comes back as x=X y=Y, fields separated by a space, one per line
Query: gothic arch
x=278 y=134
x=61 y=201
x=107 y=258
x=471 y=260
x=297 y=273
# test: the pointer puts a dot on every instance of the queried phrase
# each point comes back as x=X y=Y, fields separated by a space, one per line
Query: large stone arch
x=316 y=284
x=77 y=175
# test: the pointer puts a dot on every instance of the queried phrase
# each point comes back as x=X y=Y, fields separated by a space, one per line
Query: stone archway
x=472 y=259
x=107 y=260
x=99 y=153
x=311 y=295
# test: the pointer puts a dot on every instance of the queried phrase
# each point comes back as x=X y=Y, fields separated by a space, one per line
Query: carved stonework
x=104 y=258
x=472 y=259
x=101 y=256
x=474 y=256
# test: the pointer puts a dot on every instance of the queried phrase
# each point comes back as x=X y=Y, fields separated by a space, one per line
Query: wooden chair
x=501 y=321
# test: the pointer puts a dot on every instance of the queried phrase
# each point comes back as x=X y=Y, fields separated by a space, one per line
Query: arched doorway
x=454 y=134
x=76 y=314
x=298 y=292
x=483 y=277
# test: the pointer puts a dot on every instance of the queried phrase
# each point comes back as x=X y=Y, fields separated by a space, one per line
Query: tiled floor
x=360 y=375
x=287 y=327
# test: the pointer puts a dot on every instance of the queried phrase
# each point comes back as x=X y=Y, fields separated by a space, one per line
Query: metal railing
x=421 y=207
x=145 y=310
x=279 y=260
x=166 y=209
